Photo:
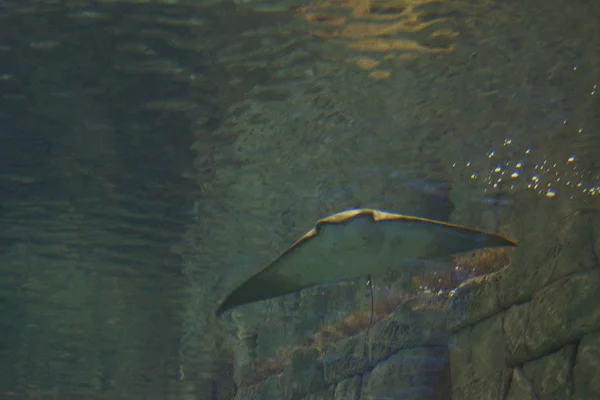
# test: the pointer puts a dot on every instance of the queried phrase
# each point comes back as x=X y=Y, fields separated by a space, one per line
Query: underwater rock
x=410 y=374
x=520 y=387
x=552 y=376
x=406 y=328
x=304 y=375
x=488 y=387
x=345 y=358
x=587 y=368
x=348 y=389
x=474 y=301
x=563 y=312
x=489 y=346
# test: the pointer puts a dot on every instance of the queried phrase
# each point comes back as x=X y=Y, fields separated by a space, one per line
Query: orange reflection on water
x=396 y=28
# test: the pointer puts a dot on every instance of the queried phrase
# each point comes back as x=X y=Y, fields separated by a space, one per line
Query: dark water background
x=92 y=201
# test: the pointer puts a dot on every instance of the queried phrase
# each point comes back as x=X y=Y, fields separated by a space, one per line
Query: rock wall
x=532 y=330
x=404 y=356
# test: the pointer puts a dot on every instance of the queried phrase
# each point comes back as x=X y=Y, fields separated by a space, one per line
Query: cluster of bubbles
x=459 y=272
x=523 y=168
x=545 y=177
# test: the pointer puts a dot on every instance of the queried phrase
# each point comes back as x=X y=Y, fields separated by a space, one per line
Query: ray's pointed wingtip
x=221 y=310
x=502 y=241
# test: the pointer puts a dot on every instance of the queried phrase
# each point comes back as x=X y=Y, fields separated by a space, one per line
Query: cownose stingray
x=354 y=244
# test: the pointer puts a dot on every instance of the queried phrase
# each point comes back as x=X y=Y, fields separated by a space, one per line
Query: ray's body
x=354 y=244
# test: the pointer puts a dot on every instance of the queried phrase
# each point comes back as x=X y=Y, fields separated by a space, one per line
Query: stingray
x=357 y=244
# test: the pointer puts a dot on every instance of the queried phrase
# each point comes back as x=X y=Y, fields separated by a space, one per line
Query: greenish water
x=155 y=153
x=91 y=292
